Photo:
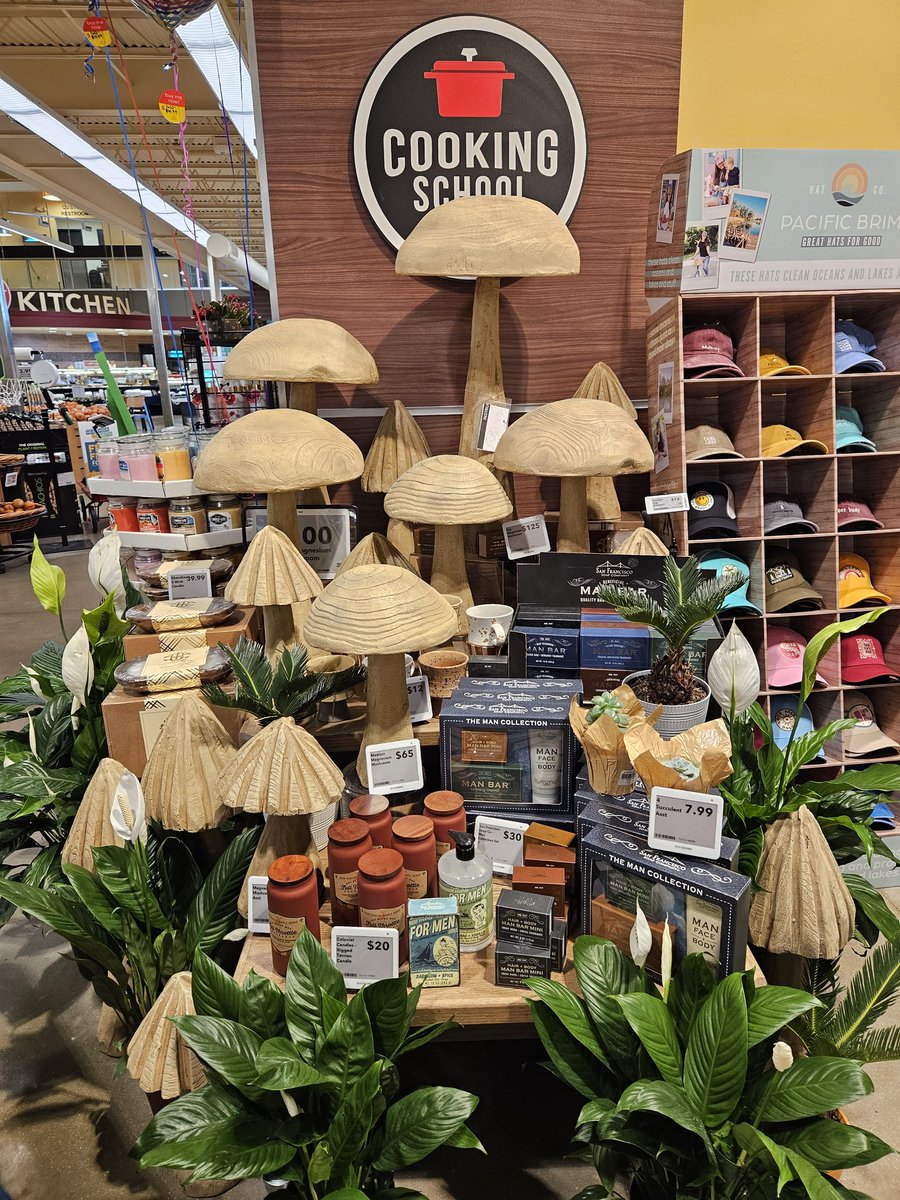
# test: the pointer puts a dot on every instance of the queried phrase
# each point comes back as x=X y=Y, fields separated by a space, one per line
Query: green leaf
x=123 y=872
x=348 y=1049
x=774 y=1007
x=817 y=1187
x=385 y=1001
x=103 y=621
x=830 y=1145
x=348 y=1134
x=579 y=1070
x=310 y=973
x=604 y=972
x=753 y=1141
x=189 y=1116
x=213 y=911
x=215 y=993
x=32 y=781
x=319 y=1169
x=667 y=1099
x=655 y=1027
x=46 y=662
x=595 y=1110
x=239 y=1148
x=89 y=746
x=874 y=906
x=571 y=1010
x=279 y=1067
x=812 y=1086
x=464 y=1139
x=424 y=1034
x=691 y=985
x=870 y=994
x=47 y=582
x=96 y=899
x=715 y=1061
x=229 y=1048
x=419 y=1123
x=348 y=1193
x=261 y=1006
x=820 y=643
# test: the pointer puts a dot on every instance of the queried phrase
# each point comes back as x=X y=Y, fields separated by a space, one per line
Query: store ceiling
x=42 y=51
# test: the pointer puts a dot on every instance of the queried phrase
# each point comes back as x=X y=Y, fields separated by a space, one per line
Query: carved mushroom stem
x=484 y=380
x=602 y=501
x=448 y=568
x=280 y=630
x=280 y=835
x=281 y=513
x=401 y=536
x=387 y=706
x=572 y=534
x=302 y=396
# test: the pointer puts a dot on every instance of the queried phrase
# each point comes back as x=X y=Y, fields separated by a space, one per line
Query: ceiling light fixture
x=211 y=46
x=50 y=196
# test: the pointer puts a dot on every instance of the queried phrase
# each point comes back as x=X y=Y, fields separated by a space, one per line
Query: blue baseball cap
x=853 y=348
x=729 y=566
x=783 y=716
x=848 y=430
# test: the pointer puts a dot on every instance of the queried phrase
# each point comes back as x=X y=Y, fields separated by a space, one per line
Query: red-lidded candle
x=348 y=841
x=382 y=894
x=414 y=838
x=293 y=905
x=376 y=812
x=446 y=812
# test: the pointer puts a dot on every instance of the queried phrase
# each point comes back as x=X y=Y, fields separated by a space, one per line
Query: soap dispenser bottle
x=469 y=876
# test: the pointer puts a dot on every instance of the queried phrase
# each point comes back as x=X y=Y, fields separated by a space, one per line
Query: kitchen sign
x=111 y=304
x=466 y=106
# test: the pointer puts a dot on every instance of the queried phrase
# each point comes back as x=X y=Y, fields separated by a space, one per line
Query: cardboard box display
x=546 y=651
x=133 y=724
x=543 y=881
x=514 y=963
x=246 y=623
x=561 y=857
x=525 y=918
x=540 y=834
x=613 y=644
x=433 y=925
x=559 y=938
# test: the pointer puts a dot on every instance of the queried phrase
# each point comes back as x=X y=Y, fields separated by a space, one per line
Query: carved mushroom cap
x=643 y=541
x=602 y=383
x=448 y=489
x=277 y=450
x=158 y=1056
x=282 y=771
x=182 y=772
x=379 y=610
x=372 y=550
x=273 y=571
x=91 y=825
x=574 y=438
x=301 y=350
x=398 y=444
x=490 y=236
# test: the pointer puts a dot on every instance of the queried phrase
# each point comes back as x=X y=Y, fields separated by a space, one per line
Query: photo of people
x=668 y=200
x=744 y=225
x=659 y=440
x=665 y=373
x=701 y=255
x=721 y=175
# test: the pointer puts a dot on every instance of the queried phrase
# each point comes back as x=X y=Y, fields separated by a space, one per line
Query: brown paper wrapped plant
x=694 y=761
x=275 y=576
x=398 y=444
x=182 y=773
x=158 y=1057
x=601 y=732
x=602 y=383
x=91 y=825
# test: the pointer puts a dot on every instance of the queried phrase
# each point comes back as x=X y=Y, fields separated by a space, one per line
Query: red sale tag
x=171 y=105
x=97 y=32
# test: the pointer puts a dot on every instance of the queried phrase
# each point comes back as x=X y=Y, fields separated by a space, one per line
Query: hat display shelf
x=799 y=328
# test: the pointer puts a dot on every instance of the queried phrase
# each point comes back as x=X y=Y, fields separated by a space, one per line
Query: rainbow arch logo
x=850 y=183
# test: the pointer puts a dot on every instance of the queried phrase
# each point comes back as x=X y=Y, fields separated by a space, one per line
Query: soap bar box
x=433 y=942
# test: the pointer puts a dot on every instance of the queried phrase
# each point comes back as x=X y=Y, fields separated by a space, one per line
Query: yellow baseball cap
x=781 y=439
x=855 y=583
x=771 y=363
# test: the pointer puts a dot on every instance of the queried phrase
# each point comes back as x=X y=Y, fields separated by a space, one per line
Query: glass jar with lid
x=173 y=460
x=123 y=515
x=223 y=511
x=108 y=457
x=137 y=458
x=153 y=516
x=187 y=514
x=199 y=439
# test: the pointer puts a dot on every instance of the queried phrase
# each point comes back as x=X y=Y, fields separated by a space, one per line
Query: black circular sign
x=466 y=106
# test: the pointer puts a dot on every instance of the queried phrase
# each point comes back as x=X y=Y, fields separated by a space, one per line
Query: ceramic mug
x=455 y=603
x=443 y=669
x=489 y=626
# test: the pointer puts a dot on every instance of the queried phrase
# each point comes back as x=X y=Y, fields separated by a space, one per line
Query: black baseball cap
x=711 y=510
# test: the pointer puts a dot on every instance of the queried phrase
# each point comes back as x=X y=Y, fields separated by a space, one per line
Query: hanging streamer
x=96 y=34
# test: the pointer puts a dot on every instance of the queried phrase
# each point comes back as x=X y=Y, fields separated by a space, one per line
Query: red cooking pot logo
x=466 y=88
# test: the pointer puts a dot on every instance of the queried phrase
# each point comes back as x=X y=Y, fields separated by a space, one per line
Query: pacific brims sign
x=466 y=106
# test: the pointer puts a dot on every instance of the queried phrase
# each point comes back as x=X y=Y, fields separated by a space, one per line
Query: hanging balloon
x=97 y=32
x=171 y=105
x=172 y=13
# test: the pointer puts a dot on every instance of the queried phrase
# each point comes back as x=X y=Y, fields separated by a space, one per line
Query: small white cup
x=489 y=624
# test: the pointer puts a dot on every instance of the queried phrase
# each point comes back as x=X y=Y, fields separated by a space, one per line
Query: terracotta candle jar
x=348 y=841
x=414 y=838
x=382 y=894
x=376 y=812
x=446 y=811
x=293 y=905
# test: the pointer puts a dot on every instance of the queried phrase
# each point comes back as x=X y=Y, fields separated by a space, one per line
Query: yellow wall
x=816 y=73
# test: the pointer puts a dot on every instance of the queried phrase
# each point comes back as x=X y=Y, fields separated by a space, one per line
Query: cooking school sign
x=466 y=106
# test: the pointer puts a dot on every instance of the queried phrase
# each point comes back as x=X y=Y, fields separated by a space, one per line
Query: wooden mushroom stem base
x=484 y=380
x=602 y=501
x=387 y=706
x=302 y=396
x=448 y=568
x=281 y=513
x=280 y=629
x=572 y=534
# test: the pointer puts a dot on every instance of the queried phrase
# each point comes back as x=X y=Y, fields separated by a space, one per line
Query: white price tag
x=185 y=584
x=66 y=479
x=685 y=822
x=503 y=842
x=419 y=699
x=324 y=538
x=526 y=536
x=494 y=420
x=365 y=955
x=258 y=904
x=668 y=502
x=12 y=478
x=78 y=392
x=394 y=767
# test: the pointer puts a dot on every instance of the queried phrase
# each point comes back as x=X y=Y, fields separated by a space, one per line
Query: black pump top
x=465 y=844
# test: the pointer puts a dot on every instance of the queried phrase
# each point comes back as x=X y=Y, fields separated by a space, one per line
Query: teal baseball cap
x=848 y=429
x=729 y=566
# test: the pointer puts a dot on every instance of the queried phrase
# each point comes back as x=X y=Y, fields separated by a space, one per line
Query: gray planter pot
x=675 y=718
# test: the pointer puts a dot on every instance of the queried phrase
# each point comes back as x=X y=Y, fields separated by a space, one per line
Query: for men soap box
x=433 y=942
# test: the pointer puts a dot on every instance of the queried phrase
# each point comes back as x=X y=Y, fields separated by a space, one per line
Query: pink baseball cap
x=854 y=514
x=784 y=657
x=709 y=350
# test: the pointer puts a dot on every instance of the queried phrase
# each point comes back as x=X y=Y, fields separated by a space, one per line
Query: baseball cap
x=709 y=350
x=711 y=510
x=728 y=567
x=784 y=657
x=771 y=363
x=853 y=348
x=786 y=588
x=708 y=441
x=865 y=737
x=848 y=429
x=781 y=439
x=783 y=715
x=862 y=660
x=854 y=514
x=783 y=515
x=855 y=583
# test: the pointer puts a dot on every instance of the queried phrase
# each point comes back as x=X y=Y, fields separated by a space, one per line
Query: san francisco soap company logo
x=466 y=106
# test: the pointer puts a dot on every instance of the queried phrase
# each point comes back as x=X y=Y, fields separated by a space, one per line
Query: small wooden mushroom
x=280 y=836
x=492 y=238
x=111 y=1033
x=642 y=541
x=574 y=439
x=803 y=906
x=182 y=772
x=275 y=576
x=449 y=492
x=278 y=453
x=381 y=612
x=158 y=1056
x=91 y=825
x=398 y=444
x=375 y=548
x=602 y=383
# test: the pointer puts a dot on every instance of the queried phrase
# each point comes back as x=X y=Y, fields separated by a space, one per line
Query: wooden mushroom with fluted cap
x=181 y=777
x=574 y=439
x=450 y=492
x=277 y=453
x=398 y=444
x=275 y=576
x=158 y=1056
x=381 y=612
x=602 y=383
x=375 y=549
x=490 y=238
x=91 y=826
x=643 y=541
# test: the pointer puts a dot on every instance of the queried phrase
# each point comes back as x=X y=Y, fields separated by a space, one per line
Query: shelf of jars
x=181 y=541
x=173 y=490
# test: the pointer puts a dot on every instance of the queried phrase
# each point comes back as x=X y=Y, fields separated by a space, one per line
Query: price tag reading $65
x=394 y=767
x=527 y=535
x=685 y=822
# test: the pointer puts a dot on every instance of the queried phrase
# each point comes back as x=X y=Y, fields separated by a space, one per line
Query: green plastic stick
x=115 y=399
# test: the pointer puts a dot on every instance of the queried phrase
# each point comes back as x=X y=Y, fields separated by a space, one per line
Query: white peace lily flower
x=35 y=683
x=105 y=571
x=32 y=740
x=127 y=813
x=666 y=958
x=782 y=1056
x=78 y=667
x=733 y=673
x=640 y=939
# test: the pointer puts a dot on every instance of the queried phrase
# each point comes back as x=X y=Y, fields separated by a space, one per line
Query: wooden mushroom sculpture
x=182 y=773
x=803 y=906
x=278 y=453
x=574 y=439
x=492 y=238
x=280 y=836
x=642 y=541
x=373 y=549
x=382 y=612
x=158 y=1056
x=398 y=444
x=602 y=383
x=449 y=492
x=275 y=576
x=91 y=825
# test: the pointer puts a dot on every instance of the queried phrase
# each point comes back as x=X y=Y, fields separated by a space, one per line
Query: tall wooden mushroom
x=492 y=238
x=275 y=576
x=158 y=1056
x=398 y=444
x=374 y=549
x=602 y=383
x=574 y=439
x=91 y=825
x=449 y=492
x=278 y=453
x=182 y=773
x=382 y=612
